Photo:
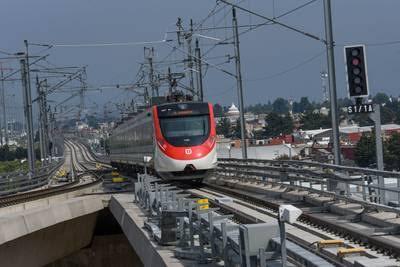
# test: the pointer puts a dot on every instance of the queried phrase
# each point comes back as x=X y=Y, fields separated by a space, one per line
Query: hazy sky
x=273 y=58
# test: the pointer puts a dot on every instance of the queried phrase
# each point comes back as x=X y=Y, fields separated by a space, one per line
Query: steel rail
x=377 y=243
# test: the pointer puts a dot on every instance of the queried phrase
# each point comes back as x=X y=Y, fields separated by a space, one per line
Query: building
x=349 y=135
x=232 y=114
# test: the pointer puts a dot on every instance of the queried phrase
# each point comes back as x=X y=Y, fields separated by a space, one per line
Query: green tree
x=260 y=108
x=218 y=110
x=392 y=153
x=311 y=120
x=224 y=127
x=278 y=124
x=364 y=153
x=380 y=98
x=20 y=153
x=237 y=130
x=280 y=106
x=302 y=106
x=387 y=115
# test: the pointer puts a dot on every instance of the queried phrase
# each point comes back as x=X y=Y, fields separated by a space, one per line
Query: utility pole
x=28 y=116
x=332 y=80
x=41 y=124
x=239 y=83
x=199 y=75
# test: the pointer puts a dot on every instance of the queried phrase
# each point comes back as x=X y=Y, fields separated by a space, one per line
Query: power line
x=6 y=53
x=264 y=24
x=289 y=69
x=276 y=22
x=111 y=44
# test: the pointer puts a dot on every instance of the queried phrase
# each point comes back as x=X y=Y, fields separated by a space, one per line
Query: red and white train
x=180 y=139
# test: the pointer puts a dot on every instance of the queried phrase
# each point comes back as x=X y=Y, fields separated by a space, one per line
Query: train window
x=185 y=131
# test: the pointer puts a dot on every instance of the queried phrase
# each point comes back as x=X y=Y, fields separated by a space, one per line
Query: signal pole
x=239 y=83
x=332 y=80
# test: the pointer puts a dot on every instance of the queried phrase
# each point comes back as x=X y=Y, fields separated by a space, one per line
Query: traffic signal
x=357 y=79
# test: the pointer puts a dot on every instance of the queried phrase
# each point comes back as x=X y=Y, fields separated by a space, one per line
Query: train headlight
x=211 y=141
x=162 y=144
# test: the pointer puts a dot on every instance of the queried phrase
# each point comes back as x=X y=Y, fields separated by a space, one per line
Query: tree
x=302 y=106
x=260 y=108
x=311 y=120
x=392 y=153
x=224 y=127
x=364 y=153
x=237 y=131
x=280 y=106
x=20 y=153
x=380 y=98
x=218 y=111
x=387 y=115
x=277 y=124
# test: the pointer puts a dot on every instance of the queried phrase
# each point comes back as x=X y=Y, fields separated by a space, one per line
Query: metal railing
x=359 y=184
x=15 y=182
x=202 y=233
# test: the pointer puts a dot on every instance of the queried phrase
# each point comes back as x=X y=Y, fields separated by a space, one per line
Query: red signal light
x=355 y=61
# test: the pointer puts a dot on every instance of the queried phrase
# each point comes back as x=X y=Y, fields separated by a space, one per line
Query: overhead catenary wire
x=112 y=44
x=294 y=67
x=276 y=22
x=262 y=24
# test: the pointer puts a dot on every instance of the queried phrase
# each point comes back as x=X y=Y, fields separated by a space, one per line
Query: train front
x=185 y=140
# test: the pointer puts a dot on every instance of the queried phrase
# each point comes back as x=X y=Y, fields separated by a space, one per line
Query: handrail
x=339 y=168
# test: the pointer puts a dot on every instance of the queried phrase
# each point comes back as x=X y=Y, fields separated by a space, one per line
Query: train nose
x=189 y=168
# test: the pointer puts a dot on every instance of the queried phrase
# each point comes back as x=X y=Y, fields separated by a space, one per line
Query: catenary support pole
x=239 y=84
x=3 y=105
x=189 y=37
x=40 y=120
x=199 y=71
x=332 y=80
x=28 y=116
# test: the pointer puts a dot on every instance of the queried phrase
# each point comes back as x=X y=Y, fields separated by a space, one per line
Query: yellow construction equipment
x=61 y=173
x=118 y=179
x=330 y=243
x=114 y=173
x=343 y=252
x=203 y=204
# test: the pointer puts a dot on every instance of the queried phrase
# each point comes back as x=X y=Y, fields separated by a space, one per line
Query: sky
x=276 y=62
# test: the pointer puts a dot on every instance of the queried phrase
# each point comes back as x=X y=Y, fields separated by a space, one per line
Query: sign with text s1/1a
x=363 y=108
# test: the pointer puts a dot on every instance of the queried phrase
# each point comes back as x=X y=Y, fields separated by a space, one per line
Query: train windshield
x=185 y=131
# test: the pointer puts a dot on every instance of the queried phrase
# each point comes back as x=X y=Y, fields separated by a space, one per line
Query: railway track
x=84 y=176
x=306 y=232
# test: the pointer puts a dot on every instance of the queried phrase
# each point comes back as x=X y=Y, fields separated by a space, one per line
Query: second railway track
x=83 y=171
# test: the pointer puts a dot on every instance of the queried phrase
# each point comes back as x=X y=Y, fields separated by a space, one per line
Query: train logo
x=188 y=151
